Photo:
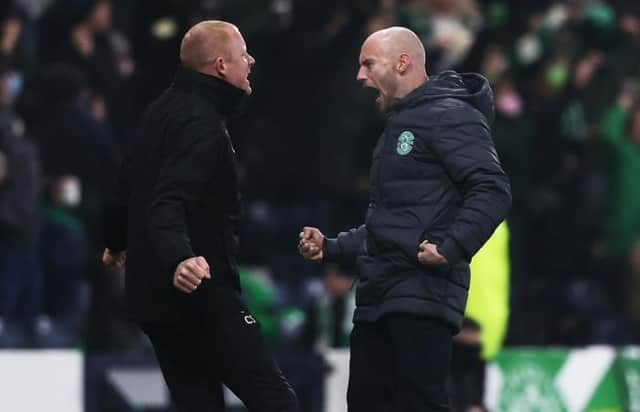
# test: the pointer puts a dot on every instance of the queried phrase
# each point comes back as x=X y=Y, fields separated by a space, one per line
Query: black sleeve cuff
x=330 y=250
x=452 y=251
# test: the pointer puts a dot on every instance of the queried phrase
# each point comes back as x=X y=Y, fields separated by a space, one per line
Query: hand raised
x=310 y=244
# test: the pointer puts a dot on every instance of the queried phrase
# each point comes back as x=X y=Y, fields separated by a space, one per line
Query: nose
x=252 y=61
x=361 y=76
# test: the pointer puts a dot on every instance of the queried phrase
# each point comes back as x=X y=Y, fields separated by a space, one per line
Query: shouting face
x=239 y=63
x=377 y=72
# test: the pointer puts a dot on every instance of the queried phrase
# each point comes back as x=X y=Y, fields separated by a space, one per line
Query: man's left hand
x=428 y=254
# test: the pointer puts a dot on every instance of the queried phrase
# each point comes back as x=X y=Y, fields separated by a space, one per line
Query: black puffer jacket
x=436 y=176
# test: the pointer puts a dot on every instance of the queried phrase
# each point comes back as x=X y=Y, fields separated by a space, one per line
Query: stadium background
x=560 y=276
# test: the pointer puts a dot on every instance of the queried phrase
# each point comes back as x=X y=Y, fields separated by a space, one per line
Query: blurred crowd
x=75 y=75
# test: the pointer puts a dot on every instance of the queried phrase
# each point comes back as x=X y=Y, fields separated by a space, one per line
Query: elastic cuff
x=330 y=250
x=451 y=251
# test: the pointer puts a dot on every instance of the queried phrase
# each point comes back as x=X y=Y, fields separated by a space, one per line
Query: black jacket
x=435 y=175
x=177 y=197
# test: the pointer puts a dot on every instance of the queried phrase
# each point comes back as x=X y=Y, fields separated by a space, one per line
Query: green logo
x=405 y=143
x=529 y=388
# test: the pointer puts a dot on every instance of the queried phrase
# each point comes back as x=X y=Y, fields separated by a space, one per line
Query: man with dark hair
x=174 y=222
x=437 y=193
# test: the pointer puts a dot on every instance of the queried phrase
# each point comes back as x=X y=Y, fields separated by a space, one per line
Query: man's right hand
x=311 y=243
x=190 y=273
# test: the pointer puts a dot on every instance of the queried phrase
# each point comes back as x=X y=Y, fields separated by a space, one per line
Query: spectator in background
x=10 y=76
x=20 y=184
x=19 y=39
x=78 y=33
x=64 y=253
x=328 y=322
x=329 y=319
x=446 y=27
x=73 y=141
x=620 y=133
x=514 y=133
x=10 y=28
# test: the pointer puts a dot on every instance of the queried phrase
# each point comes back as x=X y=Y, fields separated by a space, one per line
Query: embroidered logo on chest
x=405 y=143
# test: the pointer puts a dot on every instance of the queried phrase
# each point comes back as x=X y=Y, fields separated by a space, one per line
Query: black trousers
x=216 y=347
x=399 y=364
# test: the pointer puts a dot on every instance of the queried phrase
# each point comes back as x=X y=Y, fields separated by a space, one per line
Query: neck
x=410 y=85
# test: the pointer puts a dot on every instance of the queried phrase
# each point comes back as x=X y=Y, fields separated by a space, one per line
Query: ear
x=403 y=63
x=220 y=66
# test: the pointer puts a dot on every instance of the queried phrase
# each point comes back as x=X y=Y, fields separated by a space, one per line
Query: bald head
x=205 y=42
x=216 y=48
x=395 y=41
x=393 y=62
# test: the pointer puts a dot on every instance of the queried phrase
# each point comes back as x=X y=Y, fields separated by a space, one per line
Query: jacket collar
x=410 y=98
x=225 y=97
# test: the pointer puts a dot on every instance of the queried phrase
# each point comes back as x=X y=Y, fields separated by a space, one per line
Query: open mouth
x=374 y=92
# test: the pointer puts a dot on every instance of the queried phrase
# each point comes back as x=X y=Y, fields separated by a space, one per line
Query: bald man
x=173 y=222
x=438 y=191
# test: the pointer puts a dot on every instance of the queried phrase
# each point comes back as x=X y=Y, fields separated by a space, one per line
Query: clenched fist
x=311 y=243
x=190 y=273
x=114 y=260
x=428 y=254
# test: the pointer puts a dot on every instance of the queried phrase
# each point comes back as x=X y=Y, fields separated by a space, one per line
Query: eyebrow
x=367 y=61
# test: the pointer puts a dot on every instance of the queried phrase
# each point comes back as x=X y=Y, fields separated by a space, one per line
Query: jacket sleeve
x=464 y=145
x=344 y=249
x=115 y=213
x=189 y=163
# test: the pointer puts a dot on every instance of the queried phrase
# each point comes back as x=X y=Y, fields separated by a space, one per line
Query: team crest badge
x=405 y=143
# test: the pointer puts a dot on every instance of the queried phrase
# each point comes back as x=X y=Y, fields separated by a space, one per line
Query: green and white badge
x=405 y=143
